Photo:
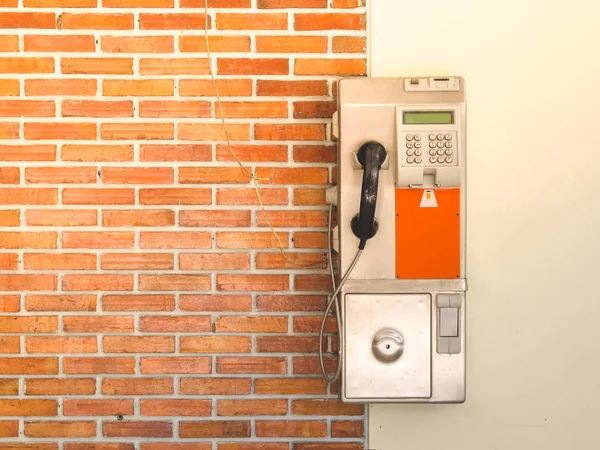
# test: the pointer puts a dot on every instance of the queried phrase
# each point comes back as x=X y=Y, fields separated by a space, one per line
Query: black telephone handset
x=371 y=155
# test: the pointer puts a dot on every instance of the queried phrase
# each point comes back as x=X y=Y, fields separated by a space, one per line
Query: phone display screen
x=428 y=117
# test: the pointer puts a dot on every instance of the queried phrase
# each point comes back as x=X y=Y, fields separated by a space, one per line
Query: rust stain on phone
x=427 y=239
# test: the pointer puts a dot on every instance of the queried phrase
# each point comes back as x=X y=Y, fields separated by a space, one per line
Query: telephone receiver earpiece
x=371 y=155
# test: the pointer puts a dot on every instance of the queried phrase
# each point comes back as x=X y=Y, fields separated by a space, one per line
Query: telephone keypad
x=432 y=145
x=441 y=149
x=418 y=159
x=417 y=137
x=409 y=152
x=409 y=145
x=418 y=152
x=409 y=137
x=417 y=144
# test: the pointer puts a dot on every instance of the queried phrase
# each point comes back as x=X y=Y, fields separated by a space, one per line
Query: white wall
x=533 y=99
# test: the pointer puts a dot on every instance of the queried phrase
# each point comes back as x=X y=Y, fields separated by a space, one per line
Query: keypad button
x=449 y=152
x=432 y=137
x=409 y=145
x=432 y=145
x=449 y=159
x=441 y=159
x=417 y=137
x=409 y=137
x=433 y=160
x=410 y=152
x=449 y=144
x=448 y=136
x=440 y=137
x=418 y=152
x=417 y=145
x=410 y=160
x=418 y=160
x=440 y=152
x=440 y=144
x=432 y=152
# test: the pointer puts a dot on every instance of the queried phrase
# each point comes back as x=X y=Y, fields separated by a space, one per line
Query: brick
x=174 y=282
x=290 y=386
x=329 y=446
x=293 y=88
x=27 y=20
x=28 y=324
x=260 y=446
x=137 y=3
x=177 y=239
x=212 y=175
x=349 y=44
x=215 y=386
x=10 y=303
x=232 y=239
x=90 y=446
x=172 y=21
x=274 y=110
x=174 y=66
x=28 y=408
x=214 y=261
x=257 y=66
x=214 y=218
x=137 y=429
x=60 y=303
x=9 y=130
x=60 y=3
x=8 y=261
x=71 y=86
x=11 y=218
x=291 y=428
x=290 y=132
x=248 y=365
x=57 y=429
x=60 y=131
x=92 y=108
x=91 y=21
x=9 y=43
x=61 y=344
x=26 y=65
x=138 y=344
x=315 y=153
x=252 y=153
x=60 y=175
x=299 y=176
x=172 y=108
x=10 y=87
x=291 y=44
x=251 y=324
x=216 y=3
x=138 y=218
x=249 y=197
x=309 y=197
x=98 y=239
x=246 y=21
x=216 y=344
x=98 y=324
x=81 y=196
x=213 y=132
x=137 y=44
x=96 y=66
x=290 y=303
x=294 y=219
x=27 y=282
x=28 y=196
x=312 y=324
x=58 y=261
x=280 y=4
x=137 y=386
x=175 y=446
x=138 y=303
x=257 y=283
x=329 y=407
x=311 y=366
x=313 y=283
x=146 y=88
x=136 y=131
x=100 y=153
x=331 y=21
x=333 y=67
x=28 y=366
x=310 y=240
x=49 y=43
x=137 y=175
x=348 y=3
x=137 y=261
x=211 y=302
x=180 y=407
x=9 y=428
x=177 y=152
x=314 y=110
x=347 y=428
x=90 y=366
x=175 y=365
x=215 y=429
x=20 y=446
x=16 y=240
x=9 y=345
x=217 y=44
x=205 y=88
x=60 y=386
x=287 y=344
x=27 y=108
x=252 y=407
x=175 y=196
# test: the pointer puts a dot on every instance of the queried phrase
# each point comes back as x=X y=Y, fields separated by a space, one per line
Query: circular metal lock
x=388 y=345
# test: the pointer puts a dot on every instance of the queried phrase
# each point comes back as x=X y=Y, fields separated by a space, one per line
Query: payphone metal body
x=403 y=305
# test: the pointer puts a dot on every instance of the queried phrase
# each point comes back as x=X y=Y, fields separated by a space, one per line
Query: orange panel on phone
x=427 y=233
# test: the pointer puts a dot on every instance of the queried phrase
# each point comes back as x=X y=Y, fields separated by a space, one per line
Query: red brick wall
x=143 y=299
